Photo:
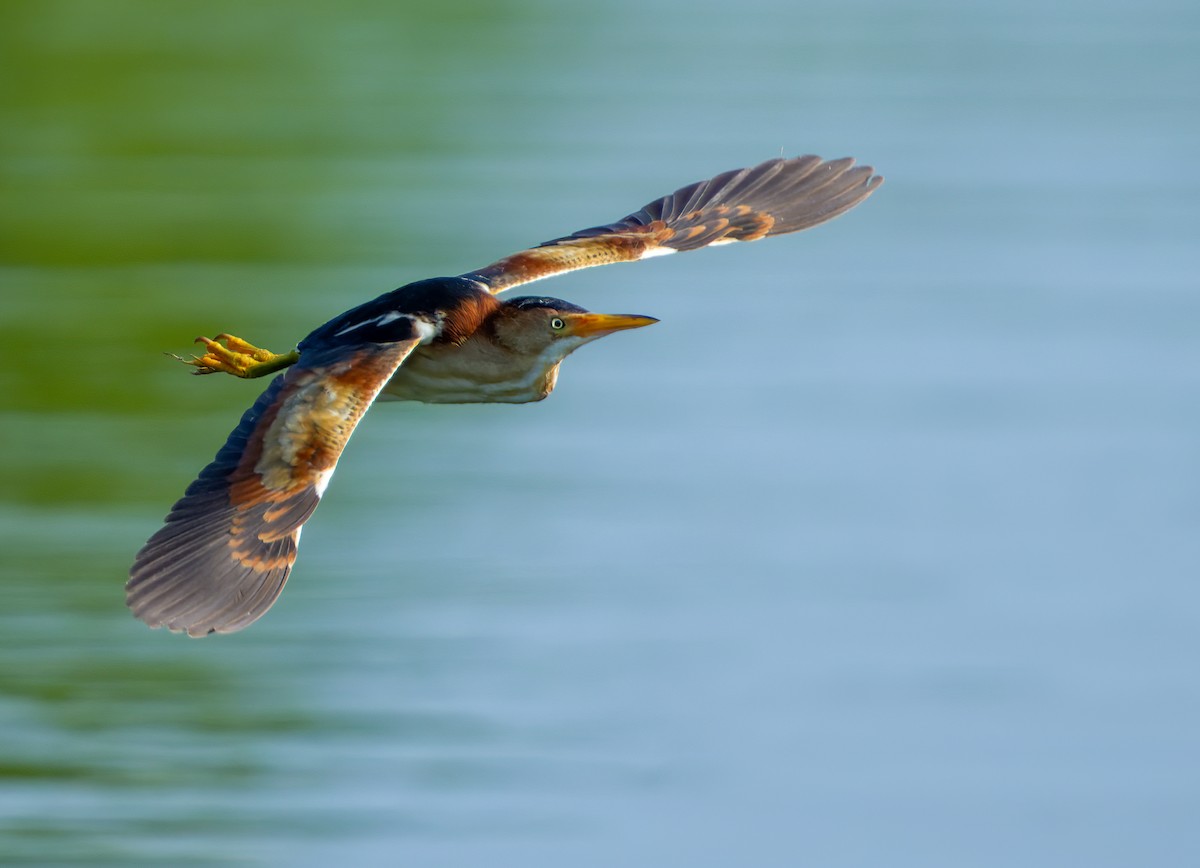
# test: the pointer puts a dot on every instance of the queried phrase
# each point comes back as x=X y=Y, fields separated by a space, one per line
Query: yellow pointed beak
x=595 y=325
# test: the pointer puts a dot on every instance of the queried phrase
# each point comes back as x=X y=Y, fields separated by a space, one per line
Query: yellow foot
x=231 y=355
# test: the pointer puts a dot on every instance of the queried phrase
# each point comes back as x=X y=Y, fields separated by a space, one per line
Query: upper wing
x=222 y=557
x=772 y=198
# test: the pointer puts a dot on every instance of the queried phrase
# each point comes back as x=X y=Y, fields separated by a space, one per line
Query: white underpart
x=426 y=329
x=383 y=319
x=721 y=241
x=531 y=382
x=322 y=483
x=442 y=386
x=657 y=251
x=357 y=325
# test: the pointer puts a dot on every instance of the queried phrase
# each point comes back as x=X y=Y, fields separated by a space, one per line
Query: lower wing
x=223 y=555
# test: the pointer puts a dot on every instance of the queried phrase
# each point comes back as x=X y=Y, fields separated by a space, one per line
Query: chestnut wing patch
x=225 y=551
x=772 y=198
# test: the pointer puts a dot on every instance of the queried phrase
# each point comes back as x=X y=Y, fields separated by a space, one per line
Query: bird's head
x=551 y=329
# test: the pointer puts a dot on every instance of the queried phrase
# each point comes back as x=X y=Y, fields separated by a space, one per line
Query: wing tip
x=205 y=573
x=223 y=603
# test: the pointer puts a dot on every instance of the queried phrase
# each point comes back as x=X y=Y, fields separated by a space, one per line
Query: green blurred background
x=879 y=550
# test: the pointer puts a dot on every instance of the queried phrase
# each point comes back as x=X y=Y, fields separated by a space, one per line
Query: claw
x=227 y=354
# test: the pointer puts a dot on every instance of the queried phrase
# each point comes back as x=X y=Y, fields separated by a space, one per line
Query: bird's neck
x=470 y=317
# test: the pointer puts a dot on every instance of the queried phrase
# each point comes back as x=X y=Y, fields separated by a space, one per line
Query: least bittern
x=223 y=555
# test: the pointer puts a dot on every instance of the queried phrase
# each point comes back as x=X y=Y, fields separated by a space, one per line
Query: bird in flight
x=223 y=554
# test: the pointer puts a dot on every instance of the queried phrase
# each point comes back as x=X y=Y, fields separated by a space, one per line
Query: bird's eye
x=557 y=324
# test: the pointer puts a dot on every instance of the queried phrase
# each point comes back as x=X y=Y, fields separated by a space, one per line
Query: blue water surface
x=879 y=550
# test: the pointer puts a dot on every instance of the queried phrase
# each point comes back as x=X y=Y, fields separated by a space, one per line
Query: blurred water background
x=880 y=550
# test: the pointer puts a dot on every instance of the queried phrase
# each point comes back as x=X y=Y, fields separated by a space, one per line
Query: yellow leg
x=231 y=355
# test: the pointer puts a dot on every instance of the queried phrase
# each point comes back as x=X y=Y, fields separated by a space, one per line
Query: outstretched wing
x=772 y=198
x=225 y=551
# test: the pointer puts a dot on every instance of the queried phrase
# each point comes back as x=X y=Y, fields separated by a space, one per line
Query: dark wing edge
x=772 y=198
x=227 y=546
